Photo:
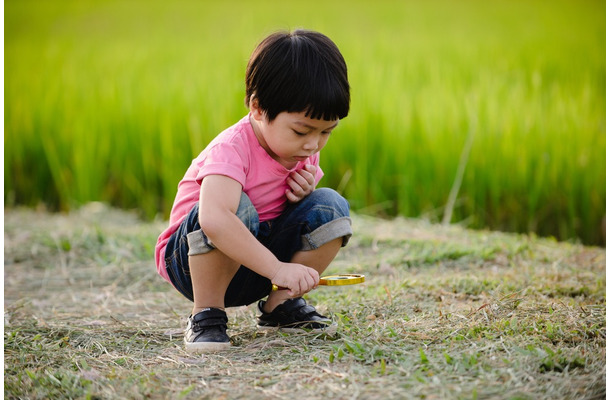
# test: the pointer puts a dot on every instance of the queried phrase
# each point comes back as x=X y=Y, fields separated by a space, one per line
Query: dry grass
x=445 y=313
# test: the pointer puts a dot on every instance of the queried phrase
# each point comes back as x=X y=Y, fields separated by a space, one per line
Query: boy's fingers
x=311 y=168
x=291 y=196
x=301 y=178
x=308 y=175
x=297 y=191
x=294 y=185
x=309 y=282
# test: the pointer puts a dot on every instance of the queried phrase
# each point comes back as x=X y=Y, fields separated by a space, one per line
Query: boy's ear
x=255 y=109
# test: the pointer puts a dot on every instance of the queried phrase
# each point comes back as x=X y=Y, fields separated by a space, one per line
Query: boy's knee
x=326 y=219
x=329 y=200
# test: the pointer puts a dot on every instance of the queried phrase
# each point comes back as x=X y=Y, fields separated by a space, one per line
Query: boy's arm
x=218 y=203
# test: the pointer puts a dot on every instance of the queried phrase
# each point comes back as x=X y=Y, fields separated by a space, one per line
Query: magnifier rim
x=342 y=279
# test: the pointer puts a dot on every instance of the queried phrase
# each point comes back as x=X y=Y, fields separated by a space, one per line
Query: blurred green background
x=110 y=100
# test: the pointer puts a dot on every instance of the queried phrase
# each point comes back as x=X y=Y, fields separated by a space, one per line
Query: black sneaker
x=295 y=315
x=207 y=331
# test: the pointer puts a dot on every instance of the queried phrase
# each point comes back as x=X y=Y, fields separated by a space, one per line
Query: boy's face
x=291 y=137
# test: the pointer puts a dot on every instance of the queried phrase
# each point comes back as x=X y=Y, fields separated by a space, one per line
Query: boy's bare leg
x=318 y=259
x=211 y=274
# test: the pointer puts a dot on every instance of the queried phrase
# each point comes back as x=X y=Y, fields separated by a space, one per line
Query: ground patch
x=446 y=313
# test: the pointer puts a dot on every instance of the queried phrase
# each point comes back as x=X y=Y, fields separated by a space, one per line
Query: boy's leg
x=203 y=274
x=311 y=233
x=211 y=271
x=211 y=274
x=207 y=326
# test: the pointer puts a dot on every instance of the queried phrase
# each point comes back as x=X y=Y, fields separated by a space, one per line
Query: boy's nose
x=311 y=144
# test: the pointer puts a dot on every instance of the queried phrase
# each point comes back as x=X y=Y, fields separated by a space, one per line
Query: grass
x=111 y=100
x=446 y=313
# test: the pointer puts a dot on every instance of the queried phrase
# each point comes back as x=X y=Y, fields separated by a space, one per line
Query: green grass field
x=110 y=100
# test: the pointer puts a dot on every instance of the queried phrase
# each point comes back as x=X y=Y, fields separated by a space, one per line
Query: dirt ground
x=445 y=313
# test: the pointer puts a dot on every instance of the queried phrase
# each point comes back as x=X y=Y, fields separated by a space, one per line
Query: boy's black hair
x=299 y=71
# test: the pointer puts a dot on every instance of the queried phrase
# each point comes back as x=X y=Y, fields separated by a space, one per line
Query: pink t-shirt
x=235 y=153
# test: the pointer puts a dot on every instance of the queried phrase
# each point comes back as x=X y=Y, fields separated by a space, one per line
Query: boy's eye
x=299 y=133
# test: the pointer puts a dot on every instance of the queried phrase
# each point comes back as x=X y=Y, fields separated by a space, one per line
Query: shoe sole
x=206 y=347
x=329 y=330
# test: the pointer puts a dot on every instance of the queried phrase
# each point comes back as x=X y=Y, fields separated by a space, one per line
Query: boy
x=247 y=214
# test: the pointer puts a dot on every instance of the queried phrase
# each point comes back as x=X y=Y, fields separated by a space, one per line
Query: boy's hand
x=297 y=278
x=301 y=183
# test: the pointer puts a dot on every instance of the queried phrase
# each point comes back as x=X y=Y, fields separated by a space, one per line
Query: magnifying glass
x=334 y=280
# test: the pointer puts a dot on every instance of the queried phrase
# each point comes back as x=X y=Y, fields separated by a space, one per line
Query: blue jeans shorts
x=314 y=221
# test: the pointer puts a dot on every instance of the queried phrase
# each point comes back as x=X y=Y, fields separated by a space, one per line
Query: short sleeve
x=224 y=159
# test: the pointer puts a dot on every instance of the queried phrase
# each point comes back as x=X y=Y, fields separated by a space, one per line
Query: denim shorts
x=314 y=221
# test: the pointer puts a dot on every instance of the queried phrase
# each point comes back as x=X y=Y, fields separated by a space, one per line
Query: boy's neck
x=263 y=143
